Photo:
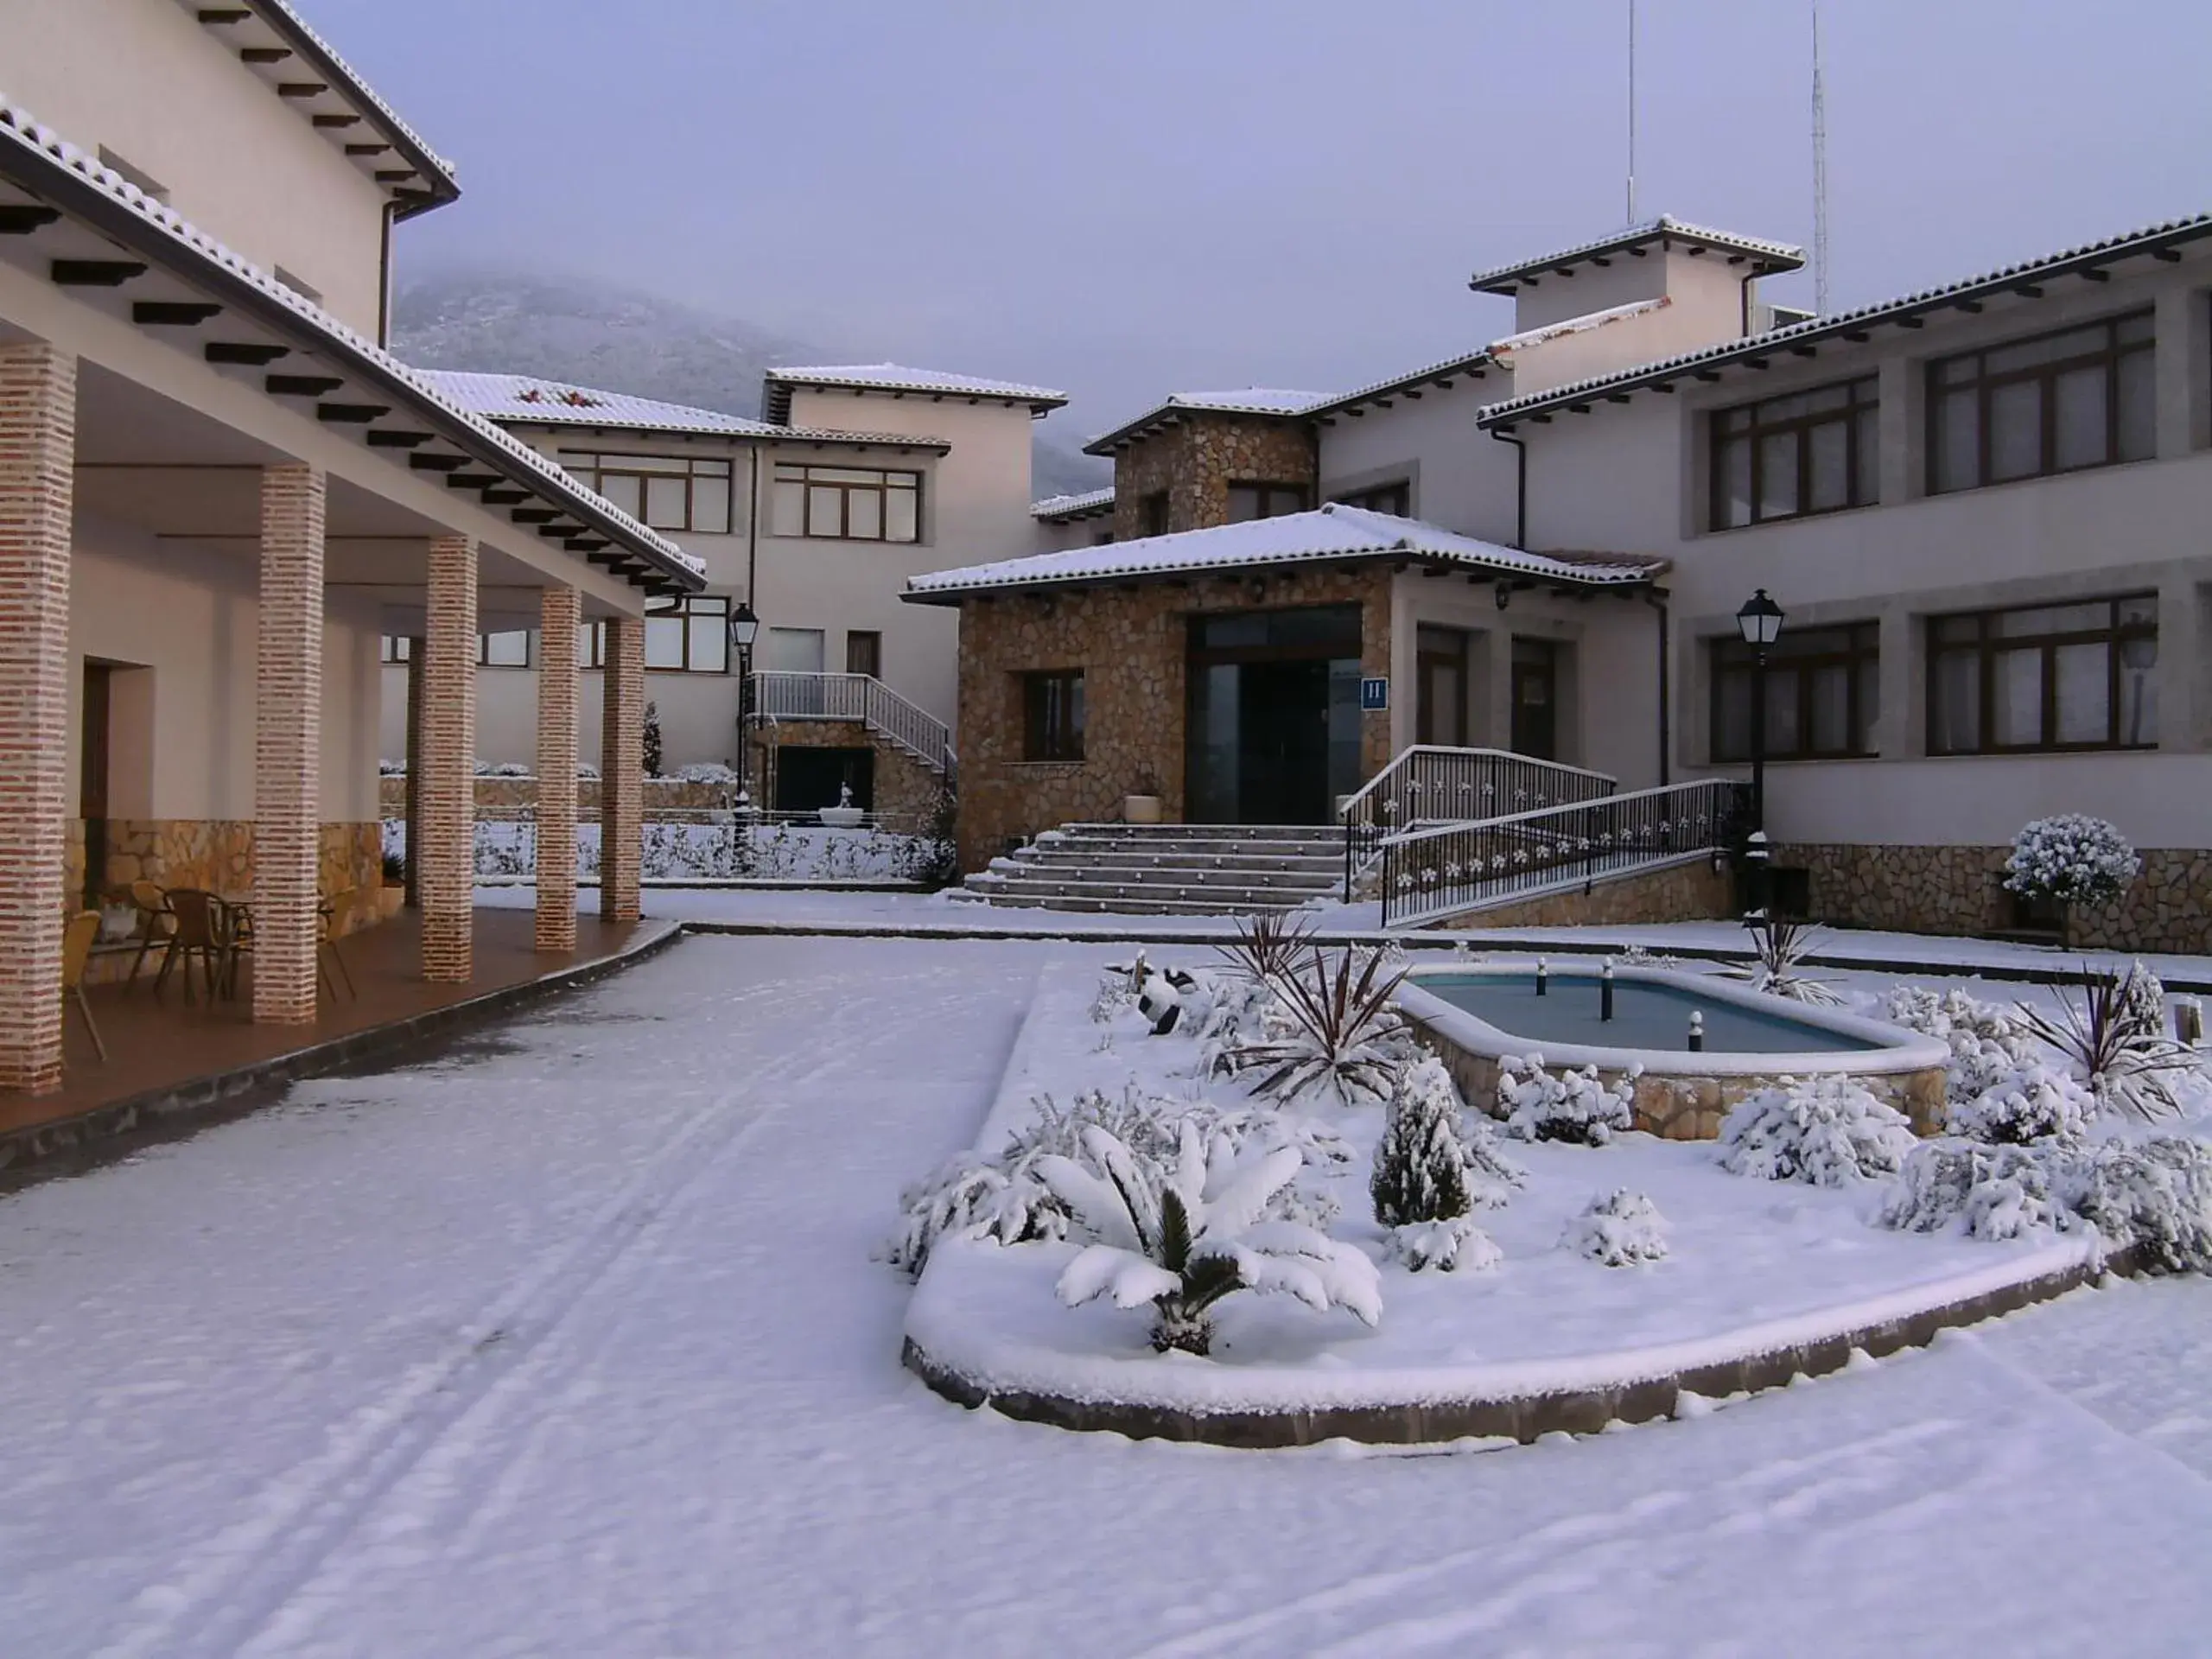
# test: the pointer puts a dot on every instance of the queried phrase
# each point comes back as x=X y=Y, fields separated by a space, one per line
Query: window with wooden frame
x=1250 y=501
x=1811 y=452
x=864 y=653
x=2053 y=403
x=1396 y=498
x=510 y=648
x=1152 y=513
x=660 y=492
x=1823 y=694
x=1052 y=715
x=2082 y=674
x=688 y=634
x=853 y=503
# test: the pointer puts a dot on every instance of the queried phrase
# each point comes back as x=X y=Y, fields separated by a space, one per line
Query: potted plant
x=1142 y=804
x=392 y=894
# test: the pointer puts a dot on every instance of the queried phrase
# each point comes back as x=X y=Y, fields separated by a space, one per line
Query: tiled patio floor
x=153 y=1045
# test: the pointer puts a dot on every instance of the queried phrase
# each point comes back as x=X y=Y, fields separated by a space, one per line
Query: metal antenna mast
x=1632 y=112
x=1820 y=175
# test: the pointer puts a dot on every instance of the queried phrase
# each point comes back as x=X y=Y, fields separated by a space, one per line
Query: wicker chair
x=201 y=932
x=155 y=924
x=77 y=937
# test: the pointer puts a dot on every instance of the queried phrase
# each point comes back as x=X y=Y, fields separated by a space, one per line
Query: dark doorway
x=809 y=778
x=1535 y=698
x=92 y=778
x=1440 y=711
x=1283 y=763
x=1273 y=724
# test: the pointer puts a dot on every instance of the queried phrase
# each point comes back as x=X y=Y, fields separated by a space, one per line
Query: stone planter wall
x=1131 y=644
x=1197 y=460
x=1959 y=890
x=1689 y=891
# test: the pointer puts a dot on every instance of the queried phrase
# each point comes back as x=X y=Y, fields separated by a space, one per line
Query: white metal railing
x=781 y=693
x=1430 y=783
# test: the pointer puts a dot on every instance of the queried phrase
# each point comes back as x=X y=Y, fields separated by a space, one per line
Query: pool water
x=1645 y=1015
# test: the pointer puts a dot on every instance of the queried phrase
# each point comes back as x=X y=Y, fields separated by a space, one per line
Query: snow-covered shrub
x=1240 y=1012
x=587 y=770
x=972 y=1195
x=1184 y=1237
x=1447 y=1246
x=392 y=768
x=1826 y=1131
x=2115 y=1037
x=705 y=772
x=1988 y=1042
x=1779 y=947
x=1420 y=1169
x=1573 y=1106
x=503 y=769
x=2072 y=859
x=1339 y=1035
x=2035 y=1102
x=2155 y=1195
x=1618 y=1230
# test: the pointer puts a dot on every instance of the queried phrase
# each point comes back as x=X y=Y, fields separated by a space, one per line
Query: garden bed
x=1764 y=1280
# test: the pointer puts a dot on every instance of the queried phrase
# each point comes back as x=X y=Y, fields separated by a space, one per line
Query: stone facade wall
x=906 y=791
x=1688 y=891
x=1196 y=461
x=1959 y=890
x=1132 y=644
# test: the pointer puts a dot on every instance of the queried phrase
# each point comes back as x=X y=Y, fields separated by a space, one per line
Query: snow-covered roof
x=1245 y=400
x=1073 y=506
x=525 y=398
x=2023 y=280
x=290 y=56
x=41 y=163
x=1467 y=365
x=1328 y=534
x=1766 y=255
x=1528 y=337
x=899 y=379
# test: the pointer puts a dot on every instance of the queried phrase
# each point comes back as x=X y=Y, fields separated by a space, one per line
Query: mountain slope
x=624 y=341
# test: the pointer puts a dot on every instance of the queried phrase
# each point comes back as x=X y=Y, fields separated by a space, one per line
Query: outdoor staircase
x=1167 y=869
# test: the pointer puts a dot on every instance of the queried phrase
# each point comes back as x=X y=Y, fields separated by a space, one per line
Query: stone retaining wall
x=1959 y=890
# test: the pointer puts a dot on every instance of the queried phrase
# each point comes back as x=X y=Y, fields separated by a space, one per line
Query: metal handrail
x=1430 y=783
x=802 y=695
x=1430 y=872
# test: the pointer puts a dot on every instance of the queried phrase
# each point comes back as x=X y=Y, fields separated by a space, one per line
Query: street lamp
x=1760 y=623
x=744 y=629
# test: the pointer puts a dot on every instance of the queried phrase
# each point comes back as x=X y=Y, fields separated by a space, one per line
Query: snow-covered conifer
x=1420 y=1169
x=1617 y=1230
x=1826 y=1131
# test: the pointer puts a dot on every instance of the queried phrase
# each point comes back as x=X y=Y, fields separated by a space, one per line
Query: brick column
x=446 y=791
x=622 y=769
x=288 y=747
x=558 y=615
x=38 y=446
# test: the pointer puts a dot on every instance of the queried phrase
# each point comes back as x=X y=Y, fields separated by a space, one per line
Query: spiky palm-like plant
x=1342 y=1018
x=1779 y=947
x=2118 y=1042
x=1269 y=945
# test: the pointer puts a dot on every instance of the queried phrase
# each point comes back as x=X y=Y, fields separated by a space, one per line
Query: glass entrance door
x=1535 y=699
x=1272 y=735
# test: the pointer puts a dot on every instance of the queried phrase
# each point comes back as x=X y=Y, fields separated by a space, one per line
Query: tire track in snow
x=300 y=1518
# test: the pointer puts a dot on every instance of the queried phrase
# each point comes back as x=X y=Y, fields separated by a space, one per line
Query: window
x=1152 y=513
x=854 y=504
x=688 y=635
x=1814 y=451
x=2050 y=403
x=1823 y=692
x=1051 y=715
x=507 y=649
x=2077 y=675
x=1264 y=500
x=392 y=648
x=1394 y=498
x=863 y=652
x=591 y=644
x=660 y=492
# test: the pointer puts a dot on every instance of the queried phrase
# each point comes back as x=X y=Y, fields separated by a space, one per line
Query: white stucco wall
x=145 y=78
x=1462 y=477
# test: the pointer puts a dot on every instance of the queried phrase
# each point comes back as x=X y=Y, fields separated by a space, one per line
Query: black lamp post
x=744 y=629
x=1760 y=623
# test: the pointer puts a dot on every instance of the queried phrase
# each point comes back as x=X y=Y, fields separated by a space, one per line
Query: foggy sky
x=1128 y=199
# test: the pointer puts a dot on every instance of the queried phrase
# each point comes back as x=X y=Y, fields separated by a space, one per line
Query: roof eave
x=1244 y=569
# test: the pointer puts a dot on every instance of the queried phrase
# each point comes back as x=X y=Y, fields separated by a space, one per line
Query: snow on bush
x=704 y=771
x=1182 y=1236
x=2153 y=1195
x=1447 y=1246
x=1826 y=1131
x=1571 y=1106
x=586 y=770
x=2072 y=859
x=1619 y=1231
x=1421 y=1169
x=2114 y=1037
x=503 y=769
x=2034 y=1102
x=1988 y=1042
x=392 y=768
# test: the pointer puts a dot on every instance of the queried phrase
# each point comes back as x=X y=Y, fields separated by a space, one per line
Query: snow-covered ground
x=568 y=1342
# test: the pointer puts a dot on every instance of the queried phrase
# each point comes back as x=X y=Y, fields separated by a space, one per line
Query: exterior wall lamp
x=1759 y=621
x=744 y=629
x=1503 y=592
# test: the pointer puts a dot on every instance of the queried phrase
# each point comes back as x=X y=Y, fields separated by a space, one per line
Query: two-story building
x=217 y=490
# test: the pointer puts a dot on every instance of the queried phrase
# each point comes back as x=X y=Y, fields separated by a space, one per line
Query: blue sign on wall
x=1374 y=693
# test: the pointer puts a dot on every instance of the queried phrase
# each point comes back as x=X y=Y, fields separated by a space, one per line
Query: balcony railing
x=778 y=694
x=1429 y=785
x=1428 y=874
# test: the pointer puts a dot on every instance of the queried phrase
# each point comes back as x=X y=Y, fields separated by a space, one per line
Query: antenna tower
x=1632 y=112
x=1820 y=175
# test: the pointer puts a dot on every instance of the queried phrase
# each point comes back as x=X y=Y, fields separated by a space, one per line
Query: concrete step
x=1206 y=831
x=1134 y=907
x=1250 y=863
x=1221 y=895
